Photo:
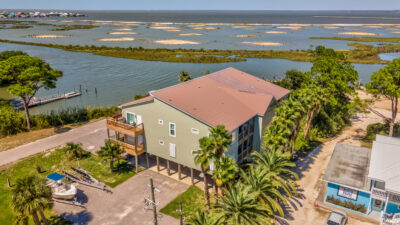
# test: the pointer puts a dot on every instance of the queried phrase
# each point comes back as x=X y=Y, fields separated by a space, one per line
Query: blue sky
x=203 y=4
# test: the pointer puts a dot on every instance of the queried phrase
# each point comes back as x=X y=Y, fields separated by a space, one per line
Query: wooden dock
x=47 y=99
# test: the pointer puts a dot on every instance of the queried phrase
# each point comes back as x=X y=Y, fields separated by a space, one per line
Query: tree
x=337 y=77
x=110 y=151
x=239 y=206
x=221 y=140
x=262 y=183
x=184 y=76
x=277 y=163
x=7 y=54
x=386 y=82
x=313 y=97
x=31 y=196
x=225 y=171
x=205 y=218
x=74 y=151
x=204 y=157
x=295 y=79
x=26 y=75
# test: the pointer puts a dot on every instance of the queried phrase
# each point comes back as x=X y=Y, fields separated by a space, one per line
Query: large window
x=172 y=129
x=347 y=193
x=130 y=118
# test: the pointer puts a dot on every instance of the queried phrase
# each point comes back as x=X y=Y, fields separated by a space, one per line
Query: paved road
x=126 y=205
x=91 y=136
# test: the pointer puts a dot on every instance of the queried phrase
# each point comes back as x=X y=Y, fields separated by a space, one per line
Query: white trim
x=347 y=186
x=169 y=129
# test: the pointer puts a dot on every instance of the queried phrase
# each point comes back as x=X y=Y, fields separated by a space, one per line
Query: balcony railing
x=131 y=149
x=117 y=123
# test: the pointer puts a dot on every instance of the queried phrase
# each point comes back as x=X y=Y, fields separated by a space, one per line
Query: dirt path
x=312 y=168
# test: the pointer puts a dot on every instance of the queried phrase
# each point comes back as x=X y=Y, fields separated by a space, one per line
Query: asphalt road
x=91 y=136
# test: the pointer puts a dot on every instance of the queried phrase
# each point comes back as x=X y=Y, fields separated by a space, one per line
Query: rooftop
x=385 y=162
x=349 y=166
x=228 y=97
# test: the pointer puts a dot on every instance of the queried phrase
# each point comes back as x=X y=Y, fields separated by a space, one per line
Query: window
x=130 y=118
x=161 y=122
x=172 y=150
x=380 y=185
x=161 y=142
x=194 y=131
x=172 y=129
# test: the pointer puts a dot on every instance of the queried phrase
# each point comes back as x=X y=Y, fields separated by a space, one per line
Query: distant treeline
x=13 y=122
x=362 y=53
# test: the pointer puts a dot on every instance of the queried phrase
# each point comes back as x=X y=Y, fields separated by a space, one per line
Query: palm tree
x=31 y=196
x=240 y=207
x=277 y=134
x=261 y=182
x=205 y=218
x=277 y=163
x=74 y=150
x=110 y=151
x=184 y=76
x=225 y=171
x=221 y=140
x=204 y=156
x=314 y=99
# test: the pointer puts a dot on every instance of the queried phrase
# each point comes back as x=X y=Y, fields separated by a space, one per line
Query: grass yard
x=192 y=200
x=56 y=161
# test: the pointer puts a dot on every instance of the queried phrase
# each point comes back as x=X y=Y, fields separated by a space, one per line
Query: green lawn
x=192 y=200
x=56 y=161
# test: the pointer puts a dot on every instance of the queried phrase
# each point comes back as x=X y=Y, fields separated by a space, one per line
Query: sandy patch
x=173 y=30
x=263 y=43
x=291 y=27
x=241 y=27
x=396 y=32
x=275 y=32
x=373 y=26
x=204 y=28
x=190 y=34
x=177 y=42
x=163 y=28
x=246 y=35
x=123 y=29
x=391 y=29
x=49 y=36
x=330 y=27
x=115 y=33
x=117 y=39
x=359 y=33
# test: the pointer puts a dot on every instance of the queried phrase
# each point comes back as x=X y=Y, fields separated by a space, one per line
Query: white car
x=336 y=218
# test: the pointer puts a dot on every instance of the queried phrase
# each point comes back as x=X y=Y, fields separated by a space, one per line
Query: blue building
x=366 y=181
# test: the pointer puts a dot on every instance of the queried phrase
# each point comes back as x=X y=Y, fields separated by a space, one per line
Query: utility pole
x=180 y=214
x=153 y=201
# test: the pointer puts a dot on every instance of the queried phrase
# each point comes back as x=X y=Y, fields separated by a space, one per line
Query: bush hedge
x=347 y=204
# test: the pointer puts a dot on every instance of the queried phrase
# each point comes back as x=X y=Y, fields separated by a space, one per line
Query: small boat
x=59 y=188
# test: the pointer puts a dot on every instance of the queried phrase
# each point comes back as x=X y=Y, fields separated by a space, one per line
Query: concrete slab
x=126 y=204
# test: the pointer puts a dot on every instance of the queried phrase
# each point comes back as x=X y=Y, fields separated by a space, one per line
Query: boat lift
x=86 y=179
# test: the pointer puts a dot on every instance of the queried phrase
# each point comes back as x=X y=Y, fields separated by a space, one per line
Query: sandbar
x=246 y=35
x=163 y=28
x=173 y=30
x=359 y=33
x=373 y=26
x=176 y=42
x=291 y=27
x=330 y=27
x=263 y=43
x=122 y=32
x=396 y=32
x=241 y=26
x=190 y=34
x=275 y=32
x=117 y=39
x=122 y=29
x=49 y=36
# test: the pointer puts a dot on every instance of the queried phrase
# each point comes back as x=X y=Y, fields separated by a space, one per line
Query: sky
x=202 y=4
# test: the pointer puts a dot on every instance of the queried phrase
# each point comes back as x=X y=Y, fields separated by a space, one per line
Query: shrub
x=347 y=204
x=380 y=128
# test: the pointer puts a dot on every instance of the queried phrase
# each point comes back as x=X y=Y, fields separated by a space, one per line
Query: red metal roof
x=229 y=97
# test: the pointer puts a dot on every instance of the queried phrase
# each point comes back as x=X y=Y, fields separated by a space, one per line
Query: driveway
x=126 y=204
x=91 y=136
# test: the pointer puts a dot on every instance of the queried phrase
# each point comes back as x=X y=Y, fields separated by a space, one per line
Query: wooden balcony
x=117 y=124
x=130 y=148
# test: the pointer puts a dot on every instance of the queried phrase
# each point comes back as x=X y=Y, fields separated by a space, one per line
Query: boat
x=59 y=188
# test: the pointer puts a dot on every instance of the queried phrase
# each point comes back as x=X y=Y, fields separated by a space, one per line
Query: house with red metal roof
x=169 y=122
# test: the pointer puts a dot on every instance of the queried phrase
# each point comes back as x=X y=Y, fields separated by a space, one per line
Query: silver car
x=336 y=218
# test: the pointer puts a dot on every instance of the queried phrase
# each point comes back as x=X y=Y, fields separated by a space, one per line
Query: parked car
x=336 y=218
